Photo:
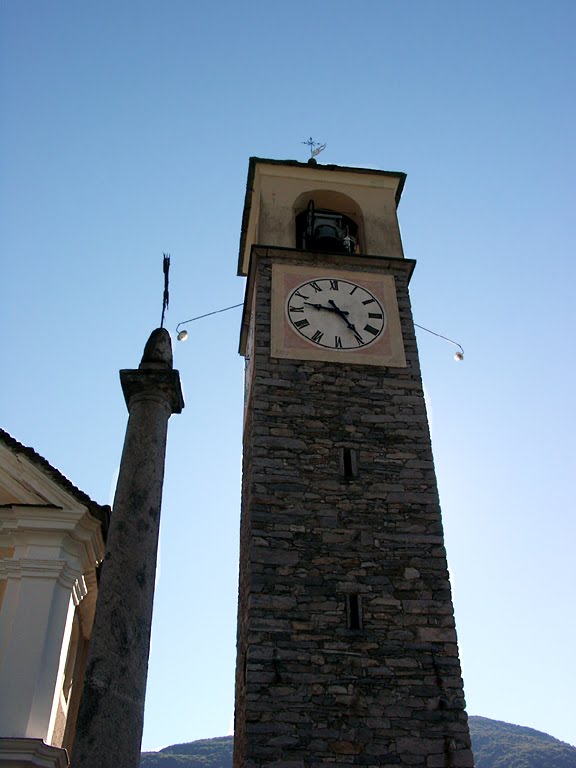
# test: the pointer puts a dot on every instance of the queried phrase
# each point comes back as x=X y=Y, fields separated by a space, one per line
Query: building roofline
x=100 y=511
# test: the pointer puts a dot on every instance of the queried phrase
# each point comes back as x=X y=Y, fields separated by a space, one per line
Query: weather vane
x=314 y=146
x=166 y=296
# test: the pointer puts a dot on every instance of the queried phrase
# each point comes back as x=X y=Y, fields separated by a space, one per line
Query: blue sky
x=125 y=131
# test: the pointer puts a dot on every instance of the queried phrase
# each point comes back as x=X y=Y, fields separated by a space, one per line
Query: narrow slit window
x=348 y=464
x=354 y=610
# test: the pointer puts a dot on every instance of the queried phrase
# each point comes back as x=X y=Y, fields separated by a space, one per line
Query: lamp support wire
x=216 y=312
x=459 y=355
x=441 y=337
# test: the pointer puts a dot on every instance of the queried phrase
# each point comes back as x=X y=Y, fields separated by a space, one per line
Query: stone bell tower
x=347 y=650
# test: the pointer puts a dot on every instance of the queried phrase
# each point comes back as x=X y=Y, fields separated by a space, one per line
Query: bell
x=325 y=230
x=326 y=235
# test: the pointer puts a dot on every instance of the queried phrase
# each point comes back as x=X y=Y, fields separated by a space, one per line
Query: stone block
x=345 y=747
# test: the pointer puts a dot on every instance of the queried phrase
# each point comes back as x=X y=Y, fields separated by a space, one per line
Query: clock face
x=326 y=313
x=335 y=314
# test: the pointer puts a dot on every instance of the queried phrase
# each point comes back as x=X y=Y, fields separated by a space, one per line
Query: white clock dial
x=335 y=314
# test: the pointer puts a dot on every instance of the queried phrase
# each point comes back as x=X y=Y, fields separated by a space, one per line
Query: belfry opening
x=329 y=222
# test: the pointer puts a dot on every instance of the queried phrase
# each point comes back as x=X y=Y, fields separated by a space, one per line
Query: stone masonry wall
x=311 y=691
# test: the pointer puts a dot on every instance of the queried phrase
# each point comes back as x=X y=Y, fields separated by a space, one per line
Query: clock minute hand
x=342 y=315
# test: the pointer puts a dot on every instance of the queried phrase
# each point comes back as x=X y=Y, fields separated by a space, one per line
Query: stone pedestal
x=110 y=719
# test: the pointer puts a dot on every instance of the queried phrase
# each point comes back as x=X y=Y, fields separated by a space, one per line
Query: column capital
x=155 y=377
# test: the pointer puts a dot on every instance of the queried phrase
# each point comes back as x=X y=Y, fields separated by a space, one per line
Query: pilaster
x=52 y=548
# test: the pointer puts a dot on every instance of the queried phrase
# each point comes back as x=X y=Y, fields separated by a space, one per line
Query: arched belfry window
x=328 y=221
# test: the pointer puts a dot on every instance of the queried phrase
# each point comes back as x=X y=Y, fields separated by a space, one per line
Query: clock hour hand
x=329 y=309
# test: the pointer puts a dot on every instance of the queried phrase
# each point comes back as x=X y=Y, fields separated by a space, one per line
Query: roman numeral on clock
x=359 y=339
x=302 y=323
x=317 y=336
x=316 y=287
x=296 y=309
x=333 y=285
x=297 y=293
x=337 y=342
x=369 y=301
x=375 y=315
x=371 y=329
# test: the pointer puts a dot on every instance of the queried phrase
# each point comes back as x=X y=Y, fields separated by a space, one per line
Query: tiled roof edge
x=100 y=511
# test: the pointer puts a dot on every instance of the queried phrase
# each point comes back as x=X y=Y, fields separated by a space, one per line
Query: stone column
x=111 y=714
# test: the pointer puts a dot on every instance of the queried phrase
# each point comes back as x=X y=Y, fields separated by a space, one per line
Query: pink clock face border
x=326 y=335
x=335 y=313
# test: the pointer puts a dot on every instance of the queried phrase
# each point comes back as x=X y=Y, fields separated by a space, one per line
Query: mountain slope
x=496 y=745
x=205 y=753
x=502 y=745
